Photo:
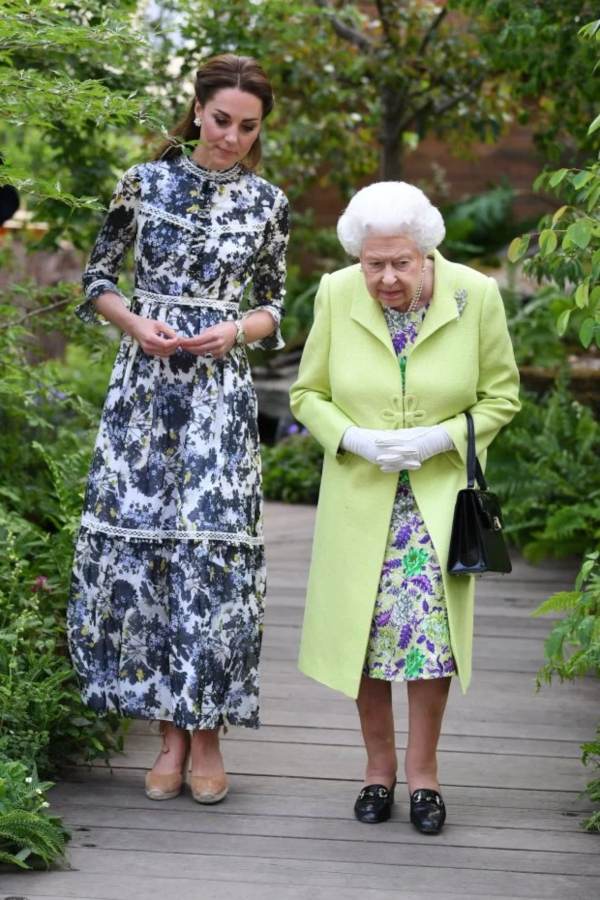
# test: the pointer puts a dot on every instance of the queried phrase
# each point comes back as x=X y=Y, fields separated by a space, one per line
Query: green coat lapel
x=443 y=307
x=368 y=313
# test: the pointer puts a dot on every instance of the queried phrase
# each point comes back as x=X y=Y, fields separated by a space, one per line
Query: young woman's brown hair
x=225 y=71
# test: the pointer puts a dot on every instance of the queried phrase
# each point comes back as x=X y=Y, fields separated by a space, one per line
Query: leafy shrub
x=573 y=651
x=479 y=224
x=545 y=466
x=29 y=837
x=292 y=469
x=531 y=325
x=49 y=413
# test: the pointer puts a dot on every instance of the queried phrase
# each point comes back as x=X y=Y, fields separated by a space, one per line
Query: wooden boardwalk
x=509 y=767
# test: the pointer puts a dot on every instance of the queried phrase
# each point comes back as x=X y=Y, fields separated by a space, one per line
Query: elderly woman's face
x=392 y=268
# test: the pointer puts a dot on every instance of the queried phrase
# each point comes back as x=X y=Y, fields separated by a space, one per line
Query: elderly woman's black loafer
x=427 y=811
x=374 y=804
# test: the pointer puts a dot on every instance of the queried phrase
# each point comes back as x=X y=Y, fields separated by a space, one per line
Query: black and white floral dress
x=165 y=613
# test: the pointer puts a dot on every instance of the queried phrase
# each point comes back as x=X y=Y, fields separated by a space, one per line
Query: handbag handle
x=474 y=471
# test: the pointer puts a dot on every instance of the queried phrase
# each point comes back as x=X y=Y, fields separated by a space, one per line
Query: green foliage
x=573 y=646
x=292 y=469
x=552 y=70
x=568 y=241
x=480 y=224
x=591 y=756
x=546 y=468
x=531 y=323
x=573 y=651
x=73 y=80
x=355 y=84
x=49 y=412
x=29 y=837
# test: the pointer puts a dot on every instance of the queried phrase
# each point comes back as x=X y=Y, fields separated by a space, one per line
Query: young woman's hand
x=215 y=341
x=155 y=338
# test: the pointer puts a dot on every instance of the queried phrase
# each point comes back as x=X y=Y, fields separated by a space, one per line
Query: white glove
x=370 y=443
x=424 y=442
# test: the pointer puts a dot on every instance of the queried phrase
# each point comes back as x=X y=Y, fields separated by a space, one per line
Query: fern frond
x=563 y=601
x=9 y=859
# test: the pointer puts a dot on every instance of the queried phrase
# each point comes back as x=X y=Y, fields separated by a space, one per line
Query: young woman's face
x=230 y=124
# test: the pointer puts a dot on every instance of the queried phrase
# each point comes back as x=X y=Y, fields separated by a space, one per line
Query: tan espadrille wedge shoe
x=166 y=785
x=209 y=789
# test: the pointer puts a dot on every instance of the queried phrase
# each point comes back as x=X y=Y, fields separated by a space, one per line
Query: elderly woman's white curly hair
x=390 y=208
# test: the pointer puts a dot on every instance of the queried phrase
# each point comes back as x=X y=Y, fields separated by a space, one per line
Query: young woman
x=167 y=596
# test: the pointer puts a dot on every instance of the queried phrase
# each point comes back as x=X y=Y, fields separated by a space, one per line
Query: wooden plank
x=293 y=790
x=509 y=760
x=319 y=825
x=351 y=737
x=245 y=801
x=492 y=770
x=134 y=875
x=419 y=849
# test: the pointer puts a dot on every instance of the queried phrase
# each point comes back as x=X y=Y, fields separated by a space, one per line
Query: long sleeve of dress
x=268 y=283
x=115 y=237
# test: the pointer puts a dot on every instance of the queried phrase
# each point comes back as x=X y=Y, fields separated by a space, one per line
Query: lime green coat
x=349 y=375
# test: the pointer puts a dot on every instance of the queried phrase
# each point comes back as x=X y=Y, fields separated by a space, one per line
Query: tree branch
x=386 y=24
x=344 y=31
x=39 y=311
x=453 y=101
x=432 y=29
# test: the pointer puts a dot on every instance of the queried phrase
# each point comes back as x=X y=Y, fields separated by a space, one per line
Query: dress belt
x=165 y=300
x=187 y=300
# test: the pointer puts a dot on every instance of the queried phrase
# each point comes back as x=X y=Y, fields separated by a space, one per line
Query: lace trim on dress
x=221 y=176
x=107 y=286
x=203 y=225
x=186 y=300
x=161 y=534
x=167 y=216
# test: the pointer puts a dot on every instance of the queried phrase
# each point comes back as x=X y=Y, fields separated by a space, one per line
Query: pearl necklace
x=414 y=303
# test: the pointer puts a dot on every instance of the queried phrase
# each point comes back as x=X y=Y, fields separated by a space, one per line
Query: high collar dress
x=166 y=605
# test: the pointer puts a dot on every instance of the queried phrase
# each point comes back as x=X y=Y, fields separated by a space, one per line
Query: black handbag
x=477 y=541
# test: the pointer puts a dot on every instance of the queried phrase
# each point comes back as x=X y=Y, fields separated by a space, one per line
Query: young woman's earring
x=197 y=121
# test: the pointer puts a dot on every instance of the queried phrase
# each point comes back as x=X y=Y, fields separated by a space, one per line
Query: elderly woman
x=402 y=345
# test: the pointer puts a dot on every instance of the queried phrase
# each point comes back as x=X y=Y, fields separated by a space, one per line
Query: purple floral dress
x=409 y=638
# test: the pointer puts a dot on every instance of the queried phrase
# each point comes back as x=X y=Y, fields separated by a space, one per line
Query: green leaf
x=595 y=125
x=580 y=233
x=586 y=332
x=548 y=241
x=582 y=178
x=557 y=177
x=518 y=247
x=593 y=198
x=563 y=322
x=553 y=644
x=582 y=294
x=559 y=214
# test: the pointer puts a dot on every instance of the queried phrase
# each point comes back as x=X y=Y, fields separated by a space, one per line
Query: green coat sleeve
x=311 y=401
x=498 y=381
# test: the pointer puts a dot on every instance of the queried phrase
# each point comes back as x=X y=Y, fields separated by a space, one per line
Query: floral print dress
x=166 y=605
x=409 y=638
